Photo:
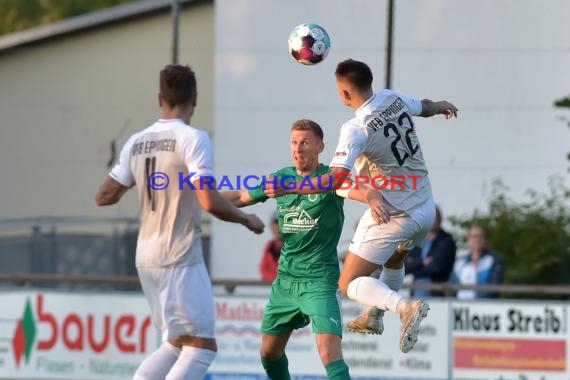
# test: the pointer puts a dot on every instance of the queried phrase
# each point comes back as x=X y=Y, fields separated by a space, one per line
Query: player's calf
x=277 y=369
x=329 y=347
x=330 y=351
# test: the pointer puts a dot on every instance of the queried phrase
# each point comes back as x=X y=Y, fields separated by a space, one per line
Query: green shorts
x=293 y=304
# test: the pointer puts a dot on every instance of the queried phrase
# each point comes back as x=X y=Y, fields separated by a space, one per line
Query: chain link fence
x=72 y=246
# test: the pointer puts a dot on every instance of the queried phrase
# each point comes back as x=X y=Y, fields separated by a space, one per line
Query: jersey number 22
x=411 y=149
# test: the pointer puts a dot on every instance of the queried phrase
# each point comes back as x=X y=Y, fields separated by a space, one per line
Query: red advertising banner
x=513 y=354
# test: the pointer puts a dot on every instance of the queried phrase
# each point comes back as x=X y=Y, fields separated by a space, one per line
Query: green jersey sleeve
x=258 y=193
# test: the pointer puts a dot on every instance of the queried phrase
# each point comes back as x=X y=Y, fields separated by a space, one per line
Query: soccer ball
x=309 y=44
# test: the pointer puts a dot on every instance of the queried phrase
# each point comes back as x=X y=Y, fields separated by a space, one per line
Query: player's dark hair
x=356 y=73
x=308 y=125
x=177 y=84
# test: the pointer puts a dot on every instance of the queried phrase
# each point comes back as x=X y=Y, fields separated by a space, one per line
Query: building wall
x=64 y=101
x=503 y=62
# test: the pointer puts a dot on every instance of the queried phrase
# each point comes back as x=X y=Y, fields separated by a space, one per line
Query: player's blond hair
x=308 y=125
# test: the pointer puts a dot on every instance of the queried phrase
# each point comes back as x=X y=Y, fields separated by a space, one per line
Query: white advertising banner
x=51 y=335
x=368 y=357
x=509 y=340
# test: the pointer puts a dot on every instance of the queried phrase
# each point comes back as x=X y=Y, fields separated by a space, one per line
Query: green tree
x=532 y=237
x=16 y=15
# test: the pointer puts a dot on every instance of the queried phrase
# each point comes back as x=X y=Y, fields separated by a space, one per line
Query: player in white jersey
x=381 y=143
x=167 y=162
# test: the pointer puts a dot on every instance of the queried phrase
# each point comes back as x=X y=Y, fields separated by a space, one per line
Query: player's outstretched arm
x=239 y=198
x=222 y=208
x=320 y=184
x=110 y=192
x=442 y=107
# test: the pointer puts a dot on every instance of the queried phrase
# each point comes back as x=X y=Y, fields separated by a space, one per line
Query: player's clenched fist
x=253 y=223
x=272 y=188
x=449 y=110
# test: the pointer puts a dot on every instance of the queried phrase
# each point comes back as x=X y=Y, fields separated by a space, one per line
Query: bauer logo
x=68 y=335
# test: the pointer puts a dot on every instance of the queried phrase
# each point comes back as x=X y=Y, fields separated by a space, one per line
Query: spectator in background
x=433 y=262
x=480 y=266
x=271 y=253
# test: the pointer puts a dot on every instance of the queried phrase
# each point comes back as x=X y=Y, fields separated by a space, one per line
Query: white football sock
x=192 y=364
x=373 y=310
x=376 y=273
x=159 y=363
x=394 y=278
x=372 y=292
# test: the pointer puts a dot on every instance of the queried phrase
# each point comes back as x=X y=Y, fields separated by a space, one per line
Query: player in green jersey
x=306 y=287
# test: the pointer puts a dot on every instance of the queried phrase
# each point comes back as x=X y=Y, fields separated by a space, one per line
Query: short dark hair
x=356 y=73
x=177 y=84
x=308 y=125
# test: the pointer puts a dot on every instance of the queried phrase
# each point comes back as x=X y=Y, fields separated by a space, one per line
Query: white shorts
x=378 y=242
x=181 y=300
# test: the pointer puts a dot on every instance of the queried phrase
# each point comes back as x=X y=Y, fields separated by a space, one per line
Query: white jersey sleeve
x=351 y=144
x=197 y=155
x=413 y=104
x=121 y=172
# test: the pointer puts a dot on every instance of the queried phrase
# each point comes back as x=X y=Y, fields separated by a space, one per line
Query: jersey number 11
x=150 y=169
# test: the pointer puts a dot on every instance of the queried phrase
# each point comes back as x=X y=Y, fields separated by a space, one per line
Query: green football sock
x=337 y=370
x=277 y=369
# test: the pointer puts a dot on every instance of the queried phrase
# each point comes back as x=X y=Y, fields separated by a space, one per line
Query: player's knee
x=345 y=280
x=270 y=353
x=343 y=284
x=192 y=341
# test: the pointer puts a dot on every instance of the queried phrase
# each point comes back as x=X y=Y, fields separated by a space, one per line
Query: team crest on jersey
x=298 y=221
x=313 y=197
